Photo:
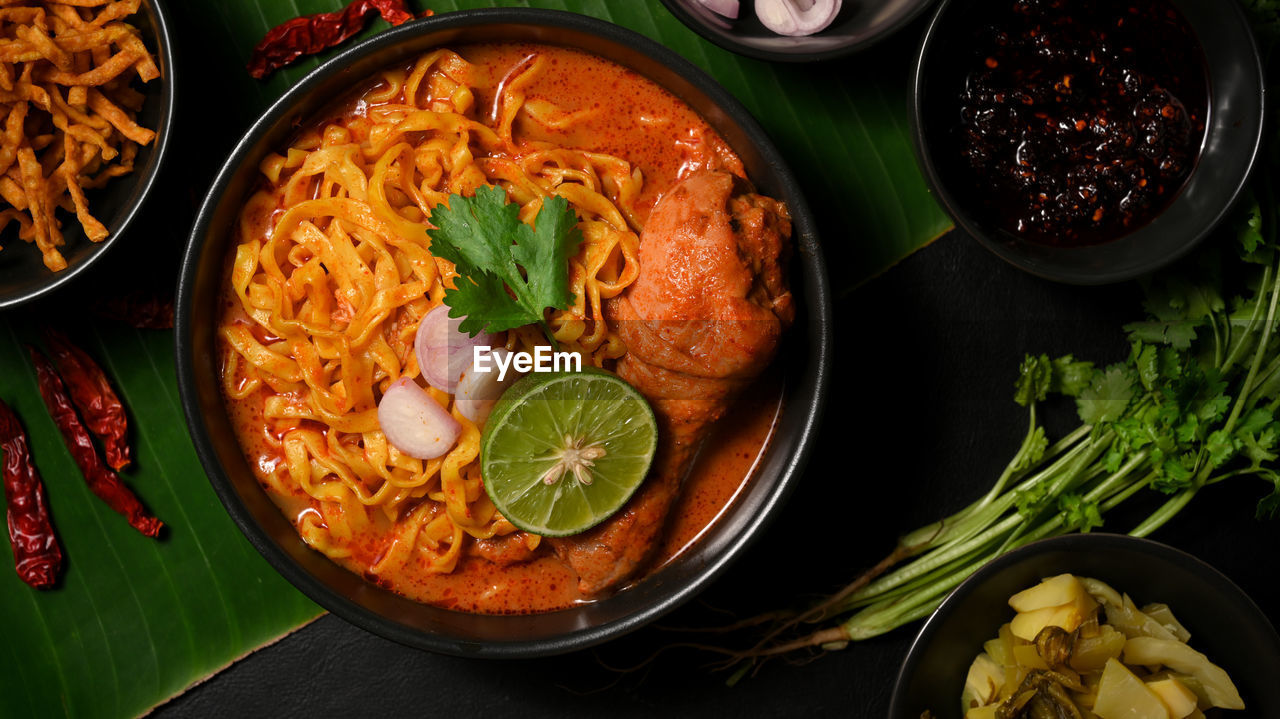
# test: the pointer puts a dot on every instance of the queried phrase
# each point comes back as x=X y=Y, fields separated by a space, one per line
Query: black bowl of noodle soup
x=800 y=370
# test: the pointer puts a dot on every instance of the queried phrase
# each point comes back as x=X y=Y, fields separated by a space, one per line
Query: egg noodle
x=333 y=272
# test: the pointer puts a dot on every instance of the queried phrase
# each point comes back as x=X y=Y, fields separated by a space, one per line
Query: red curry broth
x=632 y=118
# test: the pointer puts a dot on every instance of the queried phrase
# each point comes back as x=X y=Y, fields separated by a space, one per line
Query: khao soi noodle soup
x=332 y=273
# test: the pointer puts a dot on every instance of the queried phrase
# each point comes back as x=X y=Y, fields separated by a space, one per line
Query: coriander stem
x=1217 y=341
x=1104 y=488
x=1164 y=513
x=1269 y=375
x=851 y=603
x=1253 y=321
x=1064 y=463
x=1076 y=469
x=875 y=620
x=938 y=533
x=937 y=558
x=1017 y=459
x=864 y=629
x=883 y=617
x=1116 y=499
x=546 y=330
x=1247 y=386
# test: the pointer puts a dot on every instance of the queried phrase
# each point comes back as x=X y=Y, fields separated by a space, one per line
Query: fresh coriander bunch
x=1192 y=405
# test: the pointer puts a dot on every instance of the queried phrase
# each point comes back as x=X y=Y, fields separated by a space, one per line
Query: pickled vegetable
x=987 y=712
x=1069 y=616
x=1177 y=698
x=1122 y=695
x=1092 y=654
x=983 y=682
x=1162 y=614
x=1130 y=620
x=1102 y=592
x=1052 y=592
x=1079 y=649
x=1179 y=657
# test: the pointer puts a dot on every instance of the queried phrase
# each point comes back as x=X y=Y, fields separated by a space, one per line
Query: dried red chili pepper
x=93 y=395
x=101 y=479
x=36 y=553
x=140 y=310
x=310 y=34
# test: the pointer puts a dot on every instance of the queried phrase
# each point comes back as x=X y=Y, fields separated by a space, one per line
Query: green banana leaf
x=135 y=620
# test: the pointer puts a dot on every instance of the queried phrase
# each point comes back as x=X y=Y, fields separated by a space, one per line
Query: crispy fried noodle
x=333 y=272
x=68 y=111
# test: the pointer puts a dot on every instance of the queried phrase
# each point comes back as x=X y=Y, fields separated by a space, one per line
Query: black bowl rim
x=1069 y=276
x=698 y=26
x=817 y=290
x=1093 y=542
x=145 y=181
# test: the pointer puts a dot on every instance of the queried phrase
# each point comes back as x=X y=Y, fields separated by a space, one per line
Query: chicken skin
x=702 y=320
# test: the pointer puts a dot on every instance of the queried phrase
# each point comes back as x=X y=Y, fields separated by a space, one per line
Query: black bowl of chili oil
x=1088 y=141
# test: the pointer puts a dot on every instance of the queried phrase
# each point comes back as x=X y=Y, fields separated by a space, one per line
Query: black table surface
x=920 y=421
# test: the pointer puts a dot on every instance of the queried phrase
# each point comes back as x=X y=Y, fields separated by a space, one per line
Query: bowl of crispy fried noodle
x=86 y=102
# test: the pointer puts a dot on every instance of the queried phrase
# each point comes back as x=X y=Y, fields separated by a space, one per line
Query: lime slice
x=563 y=451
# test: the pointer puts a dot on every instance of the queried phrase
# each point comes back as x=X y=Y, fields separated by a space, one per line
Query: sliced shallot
x=443 y=350
x=479 y=391
x=797 y=17
x=414 y=423
x=727 y=8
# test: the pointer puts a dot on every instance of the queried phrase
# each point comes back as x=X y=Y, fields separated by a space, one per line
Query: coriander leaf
x=1256 y=421
x=1106 y=398
x=1214 y=409
x=509 y=273
x=1195 y=395
x=1253 y=246
x=1034 y=377
x=1258 y=449
x=1147 y=360
x=1250 y=230
x=1199 y=300
x=1222 y=447
x=1173 y=475
x=1071 y=377
x=1179 y=333
x=1170 y=364
x=544 y=252
x=1133 y=432
x=1031 y=501
x=1079 y=514
x=482 y=300
x=476 y=233
x=1114 y=458
x=1149 y=332
x=1187 y=429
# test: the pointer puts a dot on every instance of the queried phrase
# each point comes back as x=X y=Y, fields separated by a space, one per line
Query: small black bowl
x=806 y=364
x=1224 y=623
x=860 y=24
x=1233 y=136
x=23 y=276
